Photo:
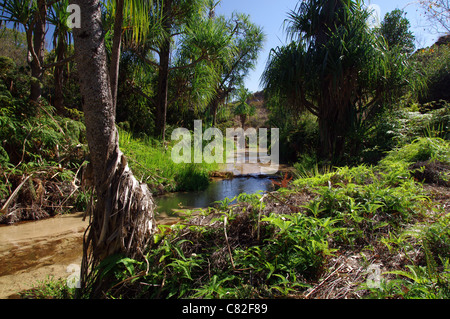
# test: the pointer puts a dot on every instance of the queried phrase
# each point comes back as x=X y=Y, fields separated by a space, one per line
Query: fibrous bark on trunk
x=122 y=219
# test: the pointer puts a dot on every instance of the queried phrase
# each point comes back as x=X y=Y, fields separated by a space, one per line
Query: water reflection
x=217 y=190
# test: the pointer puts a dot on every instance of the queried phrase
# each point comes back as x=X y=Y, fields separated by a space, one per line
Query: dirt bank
x=34 y=251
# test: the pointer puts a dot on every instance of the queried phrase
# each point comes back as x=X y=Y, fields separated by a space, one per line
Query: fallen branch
x=226 y=239
x=13 y=196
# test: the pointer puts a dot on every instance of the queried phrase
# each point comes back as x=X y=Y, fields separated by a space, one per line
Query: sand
x=32 y=252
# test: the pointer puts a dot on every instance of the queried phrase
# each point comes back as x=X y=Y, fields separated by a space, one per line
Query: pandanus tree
x=335 y=67
x=31 y=16
x=187 y=38
x=247 y=40
x=125 y=20
x=171 y=16
x=58 y=16
x=194 y=69
x=242 y=108
x=122 y=217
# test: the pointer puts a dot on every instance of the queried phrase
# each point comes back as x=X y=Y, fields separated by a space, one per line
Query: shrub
x=434 y=63
x=429 y=279
x=421 y=150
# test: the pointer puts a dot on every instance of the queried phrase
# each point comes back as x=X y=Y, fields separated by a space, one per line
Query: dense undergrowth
x=319 y=237
x=44 y=160
x=44 y=157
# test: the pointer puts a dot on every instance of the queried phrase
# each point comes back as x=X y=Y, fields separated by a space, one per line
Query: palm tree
x=38 y=48
x=242 y=108
x=247 y=40
x=122 y=220
x=31 y=15
x=58 y=16
x=335 y=67
x=128 y=15
x=200 y=39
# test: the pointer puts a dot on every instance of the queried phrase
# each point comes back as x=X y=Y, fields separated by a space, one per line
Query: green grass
x=152 y=163
x=50 y=288
x=428 y=278
x=355 y=209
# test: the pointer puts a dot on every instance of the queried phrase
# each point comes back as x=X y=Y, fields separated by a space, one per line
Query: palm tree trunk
x=243 y=118
x=163 y=89
x=334 y=123
x=122 y=220
x=163 y=75
x=219 y=97
x=214 y=104
x=59 y=76
x=38 y=47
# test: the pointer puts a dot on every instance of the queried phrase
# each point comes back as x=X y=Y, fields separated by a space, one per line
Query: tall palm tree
x=58 y=16
x=31 y=15
x=131 y=15
x=38 y=48
x=122 y=220
x=335 y=67
x=247 y=40
x=199 y=39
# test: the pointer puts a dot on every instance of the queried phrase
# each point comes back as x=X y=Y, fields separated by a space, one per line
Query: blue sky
x=270 y=14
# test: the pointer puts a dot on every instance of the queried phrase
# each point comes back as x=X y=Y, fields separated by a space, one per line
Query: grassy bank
x=42 y=161
x=152 y=163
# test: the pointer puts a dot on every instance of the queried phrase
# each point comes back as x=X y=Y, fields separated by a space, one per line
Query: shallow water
x=216 y=191
x=249 y=177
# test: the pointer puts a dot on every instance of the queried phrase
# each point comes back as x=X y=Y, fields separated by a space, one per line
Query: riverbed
x=33 y=251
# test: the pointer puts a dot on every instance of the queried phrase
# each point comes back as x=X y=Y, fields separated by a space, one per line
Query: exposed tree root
x=125 y=206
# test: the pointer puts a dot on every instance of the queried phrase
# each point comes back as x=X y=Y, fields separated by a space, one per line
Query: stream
x=32 y=252
x=170 y=204
x=249 y=176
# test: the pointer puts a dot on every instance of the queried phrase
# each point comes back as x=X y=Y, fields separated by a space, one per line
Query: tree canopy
x=395 y=30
